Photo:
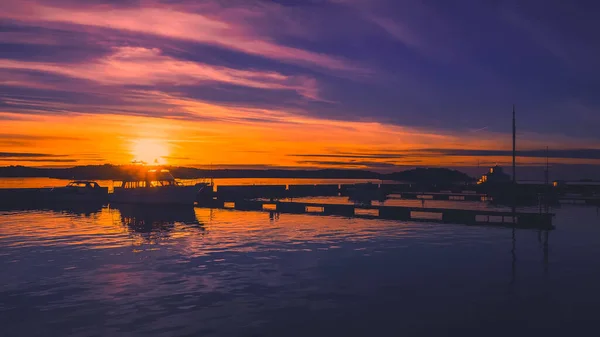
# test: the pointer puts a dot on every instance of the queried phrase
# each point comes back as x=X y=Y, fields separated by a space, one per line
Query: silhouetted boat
x=365 y=193
x=156 y=187
x=78 y=191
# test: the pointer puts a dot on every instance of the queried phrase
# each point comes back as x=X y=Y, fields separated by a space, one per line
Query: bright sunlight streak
x=150 y=151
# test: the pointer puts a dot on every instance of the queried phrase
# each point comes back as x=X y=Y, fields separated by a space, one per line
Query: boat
x=78 y=191
x=366 y=193
x=156 y=186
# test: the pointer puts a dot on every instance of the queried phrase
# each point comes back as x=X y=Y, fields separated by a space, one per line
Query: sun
x=150 y=151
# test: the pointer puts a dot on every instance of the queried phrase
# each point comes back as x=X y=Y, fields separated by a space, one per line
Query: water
x=130 y=271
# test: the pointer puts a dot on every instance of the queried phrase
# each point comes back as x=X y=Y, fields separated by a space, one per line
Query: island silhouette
x=108 y=172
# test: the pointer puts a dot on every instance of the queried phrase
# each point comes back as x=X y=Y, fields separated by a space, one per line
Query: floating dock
x=459 y=216
x=449 y=196
x=269 y=198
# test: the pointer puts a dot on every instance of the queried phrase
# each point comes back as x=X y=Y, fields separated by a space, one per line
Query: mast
x=547 y=182
x=514 y=152
x=547 y=171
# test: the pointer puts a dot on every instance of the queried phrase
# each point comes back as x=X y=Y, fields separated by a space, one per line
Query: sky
x=369 y=84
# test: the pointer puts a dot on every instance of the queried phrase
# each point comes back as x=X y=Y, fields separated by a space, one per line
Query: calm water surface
x=130 y=271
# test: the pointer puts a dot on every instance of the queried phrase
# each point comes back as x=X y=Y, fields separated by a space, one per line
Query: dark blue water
x=185 y=272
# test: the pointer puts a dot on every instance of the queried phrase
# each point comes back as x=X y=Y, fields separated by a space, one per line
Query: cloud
x=429 y=156
x=26 y=137
x=28 y=155
x=175 y=158
x=366 y=156
x=216 y=26
x=398 y=31
x=418 y=25
x=560 y=153
x=143 y=66
x=39 y=160
x=371 y=165
x=572 y=41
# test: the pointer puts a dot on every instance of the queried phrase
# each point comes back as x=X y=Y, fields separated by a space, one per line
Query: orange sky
x=233 y=139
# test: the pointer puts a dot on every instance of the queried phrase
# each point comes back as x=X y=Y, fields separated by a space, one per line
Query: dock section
x=393 y=191
x=529 y=220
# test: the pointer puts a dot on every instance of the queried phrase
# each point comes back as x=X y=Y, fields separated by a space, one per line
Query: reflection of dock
x=581 y=200
x=81 y=208
x=48 y=195
x=459 y=216
x=440 y=196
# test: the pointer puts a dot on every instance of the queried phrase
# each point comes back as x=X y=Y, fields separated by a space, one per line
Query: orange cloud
x=222 y=136
x=206 y=133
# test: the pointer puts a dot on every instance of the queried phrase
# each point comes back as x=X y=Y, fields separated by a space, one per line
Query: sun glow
x=150 y=151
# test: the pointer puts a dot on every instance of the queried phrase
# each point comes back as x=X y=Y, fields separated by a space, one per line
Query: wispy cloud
x=28 y=155
x=415 y=24
x=540 y=153
x=37 y=160
x=398 y=31
x=26 y=137
x=574 y=45
x=219 y=30
x=592 y=154
x=369 y=165
x=362 y=156
x=142 y=66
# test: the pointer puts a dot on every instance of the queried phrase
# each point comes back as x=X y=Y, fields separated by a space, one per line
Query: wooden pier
x=443 y=215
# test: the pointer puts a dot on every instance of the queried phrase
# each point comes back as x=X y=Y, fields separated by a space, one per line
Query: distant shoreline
x=110 y=172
